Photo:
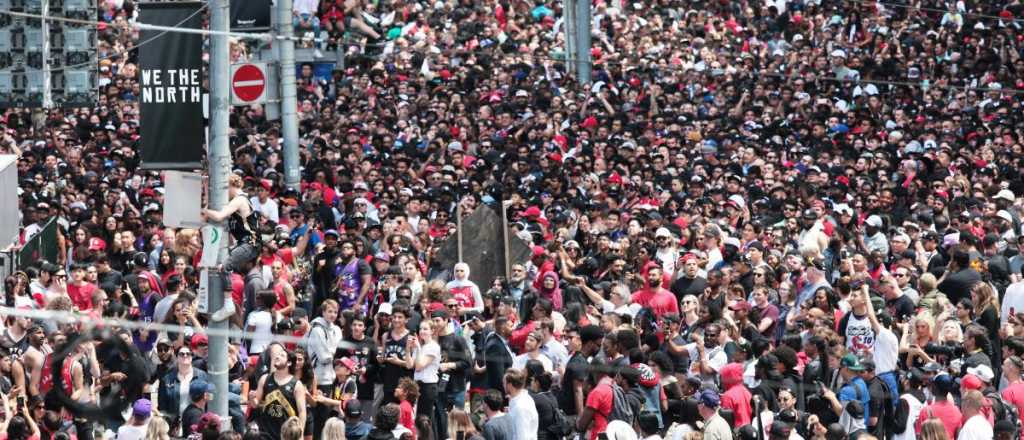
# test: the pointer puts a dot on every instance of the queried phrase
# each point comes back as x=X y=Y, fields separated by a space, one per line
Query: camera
x=950 y=350
x=285 y=325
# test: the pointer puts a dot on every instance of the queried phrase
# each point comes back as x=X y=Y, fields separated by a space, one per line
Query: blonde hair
x=458 y=420
x=158 y=429
x=986 y=297
x=334 y=429
x=926 y=317
x=954 y=325
x=291 y=430
x=183 y=242
x=235 y=181
x=933 y=429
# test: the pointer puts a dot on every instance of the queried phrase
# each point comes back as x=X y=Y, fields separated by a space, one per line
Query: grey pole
x=583 y=41
x=569 y=21
x=289 y=102
x=219 y=157
x=44 y=28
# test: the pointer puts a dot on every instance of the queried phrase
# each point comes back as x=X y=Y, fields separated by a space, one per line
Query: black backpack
x=560 y=426
x=621 y=407
x=1003 y=410
x=888 y=416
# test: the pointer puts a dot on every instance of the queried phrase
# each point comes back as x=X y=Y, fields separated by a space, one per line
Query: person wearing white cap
x=874 y=238
x=667 y=253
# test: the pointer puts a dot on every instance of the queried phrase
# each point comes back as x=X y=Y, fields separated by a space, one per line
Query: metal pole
x=583 y=41
x=289 y=102
x=569 y=21
x=505 y=235
x=458 y=227
x=44 y=27
x=219 y=157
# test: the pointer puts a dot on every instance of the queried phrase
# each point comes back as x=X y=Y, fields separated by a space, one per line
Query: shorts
x=240 y=254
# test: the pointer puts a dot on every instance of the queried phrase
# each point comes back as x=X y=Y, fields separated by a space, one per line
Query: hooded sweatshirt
x=736 y=396
x=321 y=343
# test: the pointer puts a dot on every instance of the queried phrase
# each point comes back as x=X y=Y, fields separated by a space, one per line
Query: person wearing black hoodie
x=455 y=362
x=769 y=380
x=790 y=376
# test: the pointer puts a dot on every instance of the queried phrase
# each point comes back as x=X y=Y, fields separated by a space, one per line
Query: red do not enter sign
x=248 y=83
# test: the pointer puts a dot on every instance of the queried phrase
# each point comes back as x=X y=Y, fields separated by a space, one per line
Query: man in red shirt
x=658 y=299
x=736 y=396
x=942 y=408
x=79 y=290
x=1014 y=391
x=599 y=402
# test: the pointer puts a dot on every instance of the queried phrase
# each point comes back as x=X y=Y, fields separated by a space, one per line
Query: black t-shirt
x=547 y=406
x=575 y=369
x=190 y=417
x=110 y=278
x=688 y=286
x=363 y=352
x=119 y=260
x=455 y=349
x=389 y=374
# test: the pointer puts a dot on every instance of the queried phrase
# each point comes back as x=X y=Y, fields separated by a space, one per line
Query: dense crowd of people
x=761 y=219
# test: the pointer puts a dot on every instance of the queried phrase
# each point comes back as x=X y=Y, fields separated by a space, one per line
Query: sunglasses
x=184 y=354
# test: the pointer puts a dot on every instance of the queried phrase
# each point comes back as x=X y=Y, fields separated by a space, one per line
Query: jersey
x=351 y=284
x=860 y=336
x=277 y=406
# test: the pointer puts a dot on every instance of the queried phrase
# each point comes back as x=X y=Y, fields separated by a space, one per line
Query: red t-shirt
x=945 y=411
x=1014 y=394
x=660 y=300
x=81 y=296
x=600 y=400
x=407 y=417
x=285 y=255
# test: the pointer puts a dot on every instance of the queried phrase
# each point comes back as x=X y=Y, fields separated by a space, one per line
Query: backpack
x=560 y=426
x=888 y=417
x=1003 y=410
x=621 y=409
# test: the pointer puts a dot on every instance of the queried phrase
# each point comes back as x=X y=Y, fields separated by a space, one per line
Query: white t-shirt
x=131 y=432
x=625 y=309
x=520 y=362
x=976 y=428
x=1012 y=299
x=268 y=209
x=886 y=351
x=262 y=323
x=716 y=359
x=523 y=412
x=429 y=373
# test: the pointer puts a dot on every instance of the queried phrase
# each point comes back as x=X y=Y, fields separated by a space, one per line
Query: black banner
x=42 y=246
x=171 y=76
x=483 y=247
x=250 y=15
